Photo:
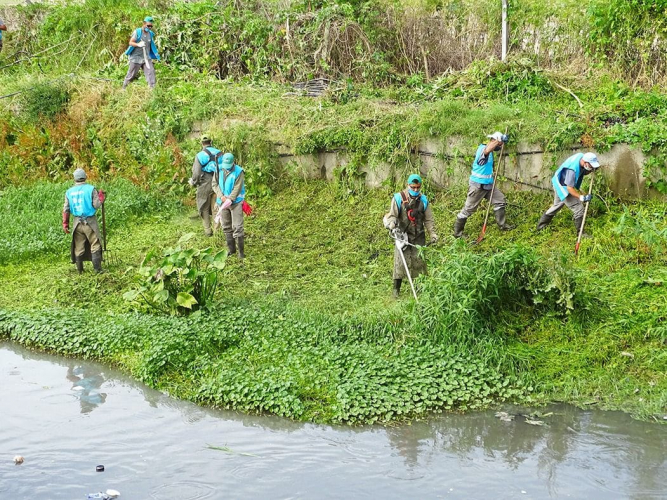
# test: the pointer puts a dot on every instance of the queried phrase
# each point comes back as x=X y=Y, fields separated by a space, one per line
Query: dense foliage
x=306 y=329
x=178 y=280
x=377 y=41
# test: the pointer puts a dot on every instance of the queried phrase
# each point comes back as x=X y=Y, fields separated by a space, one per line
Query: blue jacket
x=227 y=183
x=482 y=174
x=207 y=164
x=572 y=163
x=152 y=51
x=80 y=200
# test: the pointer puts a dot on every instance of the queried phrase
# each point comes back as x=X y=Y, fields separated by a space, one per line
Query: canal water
x=67 y=416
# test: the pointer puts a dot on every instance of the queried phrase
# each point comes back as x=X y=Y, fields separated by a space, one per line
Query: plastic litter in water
x=108 y=495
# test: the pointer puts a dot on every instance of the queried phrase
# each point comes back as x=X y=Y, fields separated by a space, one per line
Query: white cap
x=592 y=159
x=498 y=137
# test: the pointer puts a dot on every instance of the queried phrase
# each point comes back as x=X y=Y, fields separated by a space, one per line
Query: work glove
x=434 y=239
x=586 y=197
x=141 y=44
x=191 y=182
x=226 y=204
x=66 y=222
x=388 y=223
x=101 y=195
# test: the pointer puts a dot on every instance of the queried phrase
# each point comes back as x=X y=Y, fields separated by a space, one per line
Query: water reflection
x=86 y=386
x=152 y=444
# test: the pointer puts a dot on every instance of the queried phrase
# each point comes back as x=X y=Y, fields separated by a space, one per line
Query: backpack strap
x=399 y=201
x=211 y=156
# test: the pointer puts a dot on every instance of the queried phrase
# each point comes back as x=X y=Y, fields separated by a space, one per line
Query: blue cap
x=414 y=178
x=148 y=19
x=227 y=160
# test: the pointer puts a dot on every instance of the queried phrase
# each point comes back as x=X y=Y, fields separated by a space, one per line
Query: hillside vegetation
x=306 y=328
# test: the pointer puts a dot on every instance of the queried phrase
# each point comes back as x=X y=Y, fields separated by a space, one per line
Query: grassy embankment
x=307 y=329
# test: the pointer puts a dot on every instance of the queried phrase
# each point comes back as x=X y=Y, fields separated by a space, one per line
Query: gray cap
x=79 y=174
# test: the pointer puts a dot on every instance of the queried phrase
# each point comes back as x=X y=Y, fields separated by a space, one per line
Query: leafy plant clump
x=44 y=101
x=267 y=360
x=465 y=293
x=179 y=281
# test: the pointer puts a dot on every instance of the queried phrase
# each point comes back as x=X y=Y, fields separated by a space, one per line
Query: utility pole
x=505 y=31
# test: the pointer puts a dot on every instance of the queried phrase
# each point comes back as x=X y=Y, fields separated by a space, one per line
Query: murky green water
x=67 y=416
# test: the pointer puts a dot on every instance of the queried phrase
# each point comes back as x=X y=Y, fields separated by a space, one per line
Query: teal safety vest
x=482 y=174
x=399 y=201
x=227 y=180
x=80 y=200
x=572 y=163
x=207 y=161
x=152 y=50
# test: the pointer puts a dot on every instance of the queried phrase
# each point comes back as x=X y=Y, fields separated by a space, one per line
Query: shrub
x=179 y=281
x=44 y=101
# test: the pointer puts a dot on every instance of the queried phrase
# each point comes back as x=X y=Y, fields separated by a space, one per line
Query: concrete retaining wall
x=447 y=164
x=526 y=167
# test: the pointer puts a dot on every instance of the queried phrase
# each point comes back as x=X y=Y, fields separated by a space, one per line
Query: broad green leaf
x=185 y=300
x=219 y=259
x=186 y=237
x=131 y=295
x=161 y=296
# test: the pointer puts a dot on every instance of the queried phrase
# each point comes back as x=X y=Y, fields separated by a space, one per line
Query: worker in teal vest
x=82 y=201
x=566 y=183
x=206 y=163
x=480 y=186
x=141 y=53
x=410 y=212
x=229 y=186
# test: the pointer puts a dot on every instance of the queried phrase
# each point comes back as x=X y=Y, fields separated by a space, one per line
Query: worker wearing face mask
x=141 y=53
x=409 y=214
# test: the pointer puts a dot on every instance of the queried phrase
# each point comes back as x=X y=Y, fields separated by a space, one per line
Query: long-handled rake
x=583 y=220
x=493 y=188
x=109 y=256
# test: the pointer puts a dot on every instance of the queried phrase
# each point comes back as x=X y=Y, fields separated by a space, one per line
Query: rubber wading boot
x=397 y=288
x=97 y=261
x=500 y=219
x=577 y=224
x=231 y=243
x=206 y=220
x=79 y=263
x=458 y=227
x=544 y=221
x=240 y=244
